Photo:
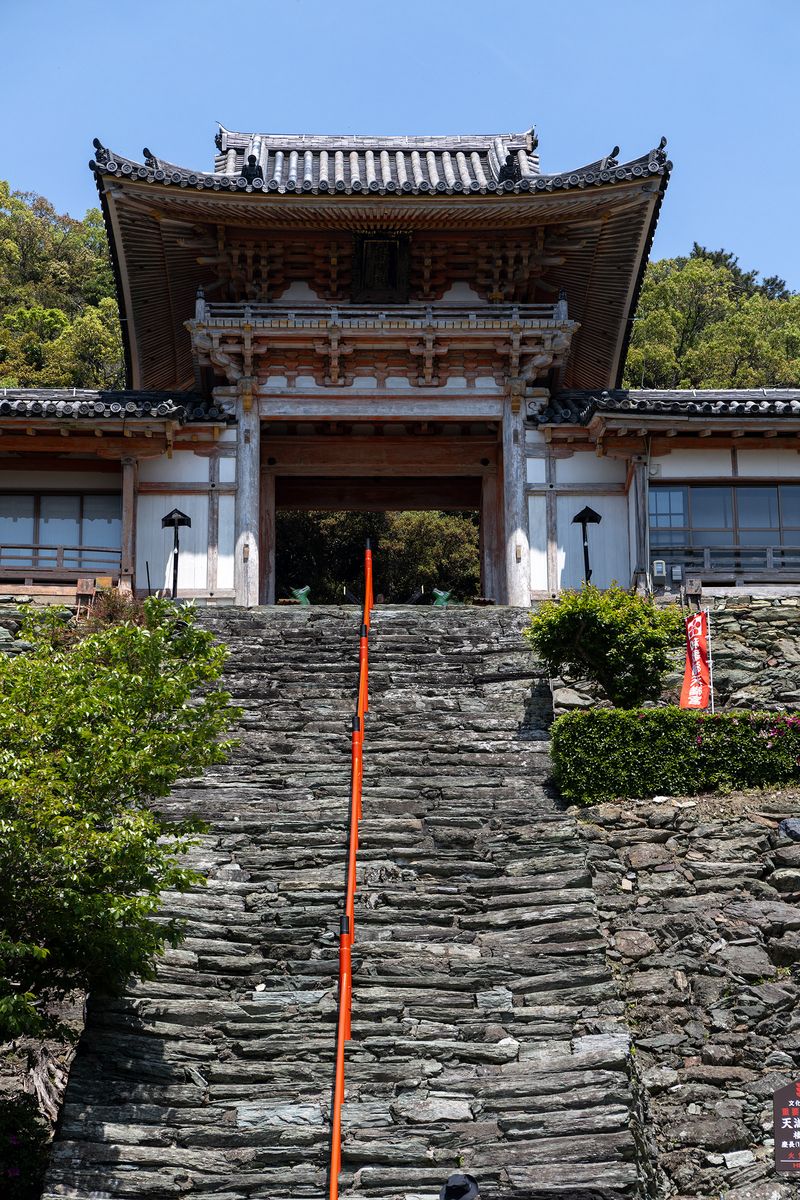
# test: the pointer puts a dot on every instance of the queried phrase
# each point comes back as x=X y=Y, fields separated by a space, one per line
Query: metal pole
x=175 y=565
x=587 y=572
x=710 y=661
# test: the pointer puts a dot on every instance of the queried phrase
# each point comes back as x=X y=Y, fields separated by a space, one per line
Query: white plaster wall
x=225 y=540
x=537 y=536
x=609 y=556
x=585 y=467
x=534 y=435
x=769 y=464
x=695 y=464
x=227 y=470
x=154 y=544
x=461 y=292
x=183 y=467
x=535 y=470
x=298 y=293
x=68 y=481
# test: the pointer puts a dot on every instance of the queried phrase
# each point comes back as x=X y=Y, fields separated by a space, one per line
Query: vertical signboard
x=786 y=1114
x=696 y=689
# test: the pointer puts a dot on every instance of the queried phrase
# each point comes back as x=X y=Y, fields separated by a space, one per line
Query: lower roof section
x=579 y=407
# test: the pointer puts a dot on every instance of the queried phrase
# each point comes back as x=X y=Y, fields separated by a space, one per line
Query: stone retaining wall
x=755 y=646
x=707 y=958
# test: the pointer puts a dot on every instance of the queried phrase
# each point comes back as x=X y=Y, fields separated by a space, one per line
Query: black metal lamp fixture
x=175 y=519
x=587 y=516
x=460 y=1187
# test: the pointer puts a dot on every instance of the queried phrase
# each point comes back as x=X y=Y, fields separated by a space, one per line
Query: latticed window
x=53 y=532
x=719 y=526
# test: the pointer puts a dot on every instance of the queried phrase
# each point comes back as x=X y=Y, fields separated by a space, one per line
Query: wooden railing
x=347 y=922
x=30 y=560
x=725 y=559
x=404 y=314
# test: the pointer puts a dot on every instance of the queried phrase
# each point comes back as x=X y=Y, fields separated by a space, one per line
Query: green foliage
x=617 y=639
x=23 y=1147
x=608 y=754
x=59 y=325
x=96 y=727
x=703 y=322
x=410 y=549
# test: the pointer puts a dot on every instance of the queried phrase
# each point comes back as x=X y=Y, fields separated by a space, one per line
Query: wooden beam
x=661 y=445
x=112 y=447
x=349 y=456
x=375 y=494
x=189 y=489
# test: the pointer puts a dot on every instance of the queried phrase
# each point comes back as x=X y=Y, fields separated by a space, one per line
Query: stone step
x=483 y=1030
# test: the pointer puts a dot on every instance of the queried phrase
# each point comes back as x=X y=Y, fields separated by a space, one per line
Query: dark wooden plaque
x=786 y=1114
x=381 y=268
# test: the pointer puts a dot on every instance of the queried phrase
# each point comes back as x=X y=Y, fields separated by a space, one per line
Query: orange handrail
x=347 y=923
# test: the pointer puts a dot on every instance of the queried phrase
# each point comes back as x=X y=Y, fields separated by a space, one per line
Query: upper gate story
x=367 y=322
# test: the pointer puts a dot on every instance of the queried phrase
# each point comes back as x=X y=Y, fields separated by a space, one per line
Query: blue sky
x=717 y=77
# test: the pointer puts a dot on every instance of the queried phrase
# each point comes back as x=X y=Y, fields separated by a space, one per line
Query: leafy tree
x=430 y=549
x=23 y=1147
x=59 y=325
x=703 y=322
x=96 y=727
x=326 y=551
x=617 y=639
x=772 y=286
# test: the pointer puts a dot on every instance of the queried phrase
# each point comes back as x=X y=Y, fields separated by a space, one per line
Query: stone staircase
x=487 y=1032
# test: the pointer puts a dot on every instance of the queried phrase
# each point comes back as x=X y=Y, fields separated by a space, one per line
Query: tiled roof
x=63 y=403
x=303 y=163
x=578 y=407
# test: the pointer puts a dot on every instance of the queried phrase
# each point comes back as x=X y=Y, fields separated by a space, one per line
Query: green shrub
x=23 y=1148
x=607 y=754
x=618 y=640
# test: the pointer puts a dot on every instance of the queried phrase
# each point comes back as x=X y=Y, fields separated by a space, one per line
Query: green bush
x=23 y=1147
x=607 y=754
x=615 y=638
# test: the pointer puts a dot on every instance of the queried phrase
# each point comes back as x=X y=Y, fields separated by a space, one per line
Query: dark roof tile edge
x=577 y=407
x=130 y=404
x=650 y=165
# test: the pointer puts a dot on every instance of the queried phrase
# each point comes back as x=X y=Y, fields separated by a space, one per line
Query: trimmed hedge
x=608 y=754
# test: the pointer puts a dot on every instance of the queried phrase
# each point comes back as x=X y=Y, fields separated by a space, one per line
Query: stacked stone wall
x=706 y=953
x=755 y=645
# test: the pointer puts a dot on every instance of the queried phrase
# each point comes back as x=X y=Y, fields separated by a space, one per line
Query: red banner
x=696 y=691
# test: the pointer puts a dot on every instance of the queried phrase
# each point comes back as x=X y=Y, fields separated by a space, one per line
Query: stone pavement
x=488 y=1035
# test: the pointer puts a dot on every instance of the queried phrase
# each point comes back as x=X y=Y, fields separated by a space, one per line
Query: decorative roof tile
x=578 y=407
x=69 y=403
x=351 y=165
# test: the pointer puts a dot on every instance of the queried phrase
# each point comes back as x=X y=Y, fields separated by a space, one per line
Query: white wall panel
x=227 y=470
x=537 y=536
x=225 y=541
x=609 y=556
x=695 y=464
x=154 y=544
x=588 y=468
x=183 y=467
x=769 y=464
x=536 y=470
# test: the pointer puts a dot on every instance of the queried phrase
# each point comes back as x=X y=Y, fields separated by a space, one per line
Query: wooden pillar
x=640 y=503
x=491 y=540
x=267 y=556
x=551 y=519
x=517 y=548
x=127 y=582
x=248 y=464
